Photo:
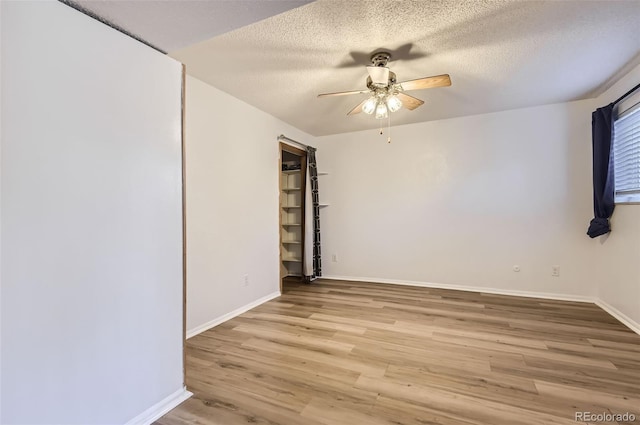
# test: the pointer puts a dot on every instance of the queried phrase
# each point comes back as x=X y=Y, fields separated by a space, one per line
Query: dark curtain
x=603 y=180
x=313 y=176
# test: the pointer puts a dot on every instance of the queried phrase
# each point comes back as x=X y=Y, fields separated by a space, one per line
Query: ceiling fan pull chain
x=389 y=128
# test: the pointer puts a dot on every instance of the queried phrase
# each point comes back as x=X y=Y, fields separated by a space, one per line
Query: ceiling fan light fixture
x=369 y=106
x=381 y=111
x=393 y=103
x=386 y=93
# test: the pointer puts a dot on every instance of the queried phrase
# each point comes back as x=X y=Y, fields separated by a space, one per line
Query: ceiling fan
x=386 y=93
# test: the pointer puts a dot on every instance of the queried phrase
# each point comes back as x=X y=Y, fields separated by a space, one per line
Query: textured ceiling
x=500 y=55
x=173 y=24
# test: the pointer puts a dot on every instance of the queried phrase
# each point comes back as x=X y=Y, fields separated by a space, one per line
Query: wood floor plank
x=306 y=323
x=340 y=414
x=450 y=401
x=601 y=399
x=337 y=352
x=413 y=414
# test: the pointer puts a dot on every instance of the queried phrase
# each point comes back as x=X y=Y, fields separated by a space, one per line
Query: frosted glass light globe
x=393 y=103
x=369 y=106
x=381 y=111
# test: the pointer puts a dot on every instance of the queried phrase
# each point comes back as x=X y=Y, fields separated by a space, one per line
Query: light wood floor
x=372 y=354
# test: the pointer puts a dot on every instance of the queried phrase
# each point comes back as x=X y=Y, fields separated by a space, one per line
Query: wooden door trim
x=184 y=230
x=291 y=149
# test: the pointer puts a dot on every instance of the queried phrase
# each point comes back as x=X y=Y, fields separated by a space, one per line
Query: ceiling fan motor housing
x=380 y=58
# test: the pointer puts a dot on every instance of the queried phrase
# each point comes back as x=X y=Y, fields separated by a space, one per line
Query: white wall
x=232 y=203
x=618 y=253
x=460 y=201
x=91 y=220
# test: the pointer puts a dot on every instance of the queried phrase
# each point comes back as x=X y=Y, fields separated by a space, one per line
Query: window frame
x=629 y=106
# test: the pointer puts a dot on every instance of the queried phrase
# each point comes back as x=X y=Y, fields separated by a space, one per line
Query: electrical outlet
x=334 y=258
x=516 y=268
x=555 y=271
x=245 y=281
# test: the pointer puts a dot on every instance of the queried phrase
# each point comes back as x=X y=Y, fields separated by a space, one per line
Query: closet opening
x=293 y=175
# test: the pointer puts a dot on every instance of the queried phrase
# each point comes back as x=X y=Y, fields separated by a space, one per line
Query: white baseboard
x=623 y=318
x=161 y=408
x=626 y=320
x=238 y=311
x=496 y=291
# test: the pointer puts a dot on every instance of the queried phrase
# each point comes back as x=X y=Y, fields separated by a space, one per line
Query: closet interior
x=293 y=167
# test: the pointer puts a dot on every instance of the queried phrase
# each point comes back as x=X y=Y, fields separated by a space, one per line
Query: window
x=626 y=155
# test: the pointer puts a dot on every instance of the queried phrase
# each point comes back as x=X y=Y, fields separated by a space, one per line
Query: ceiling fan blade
x=379 y=74
x=409 y=102
x=427 y=82
x=357 y=109
x=343 y=93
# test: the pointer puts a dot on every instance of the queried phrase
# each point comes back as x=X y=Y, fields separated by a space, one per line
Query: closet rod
x=295 y=142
